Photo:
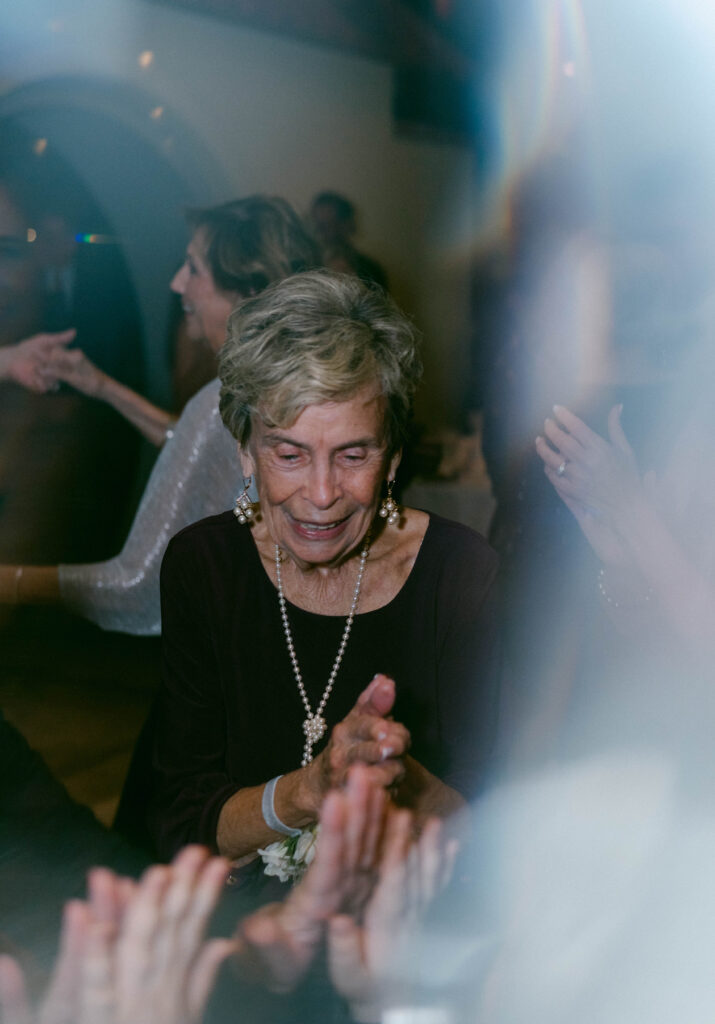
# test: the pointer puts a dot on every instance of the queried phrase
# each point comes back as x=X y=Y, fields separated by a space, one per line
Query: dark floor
x=68 y=483
x=79 y=696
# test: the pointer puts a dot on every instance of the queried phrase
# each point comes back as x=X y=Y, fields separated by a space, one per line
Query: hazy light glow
x=537 y=93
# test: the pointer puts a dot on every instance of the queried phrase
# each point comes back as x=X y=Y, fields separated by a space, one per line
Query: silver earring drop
x=244 y=506
x=389 y=509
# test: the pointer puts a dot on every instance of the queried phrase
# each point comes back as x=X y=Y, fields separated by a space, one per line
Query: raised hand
x=61 y=1002
x=279 y=941
x=597 y=480
x=369 y=955
x=163 y=969
x=28 y=362
x=76 y=369
x=367 y=736
x=135 y=953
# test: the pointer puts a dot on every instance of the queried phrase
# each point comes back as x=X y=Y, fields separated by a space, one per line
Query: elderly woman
x=276 y=619
x=235 y=251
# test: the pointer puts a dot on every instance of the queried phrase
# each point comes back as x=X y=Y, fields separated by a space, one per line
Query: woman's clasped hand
x=368 y=736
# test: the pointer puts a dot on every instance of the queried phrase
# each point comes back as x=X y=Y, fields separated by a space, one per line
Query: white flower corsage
x=289 y=858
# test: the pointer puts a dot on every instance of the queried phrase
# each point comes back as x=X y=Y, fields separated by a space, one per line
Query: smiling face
x=319 y=480
x=206 y=307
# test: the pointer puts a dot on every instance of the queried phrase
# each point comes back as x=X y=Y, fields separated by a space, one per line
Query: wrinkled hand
x=280 y=940
x=597 y=480
x=76 y=369
x=369 y=957
x=27 y=362
x=367 y=736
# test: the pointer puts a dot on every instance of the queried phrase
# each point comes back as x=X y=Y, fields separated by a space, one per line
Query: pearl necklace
x=315 y=725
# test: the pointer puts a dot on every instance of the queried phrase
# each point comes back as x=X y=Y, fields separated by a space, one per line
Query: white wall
x=285 y=118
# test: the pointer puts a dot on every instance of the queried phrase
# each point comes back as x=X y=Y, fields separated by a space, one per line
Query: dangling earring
x=389 y=509
x=244 y=506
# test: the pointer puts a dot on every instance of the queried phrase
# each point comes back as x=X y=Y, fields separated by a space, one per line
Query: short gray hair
x=312 y=338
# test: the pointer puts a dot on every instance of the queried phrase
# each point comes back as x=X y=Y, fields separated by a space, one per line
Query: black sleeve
x=469 y=662
x=48 y=842
x=191 y=782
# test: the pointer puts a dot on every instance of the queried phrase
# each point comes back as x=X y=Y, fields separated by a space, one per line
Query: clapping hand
x=598 y=480
x=367 y=888
x=279 y=941
x=368 y=736
x=369 y=954
x=135 y=953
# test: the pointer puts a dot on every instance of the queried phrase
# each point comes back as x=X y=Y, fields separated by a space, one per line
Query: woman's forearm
x=241 y=827
x=29 y=584
x=148 y=418
x=678 y=587
x=425 y=794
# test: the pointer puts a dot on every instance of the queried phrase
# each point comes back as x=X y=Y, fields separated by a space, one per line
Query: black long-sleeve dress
x=229 y=712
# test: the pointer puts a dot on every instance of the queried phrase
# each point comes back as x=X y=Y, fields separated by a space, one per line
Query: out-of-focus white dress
x=197 y=474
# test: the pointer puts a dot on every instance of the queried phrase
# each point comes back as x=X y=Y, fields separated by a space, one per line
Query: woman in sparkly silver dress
x=236 y=250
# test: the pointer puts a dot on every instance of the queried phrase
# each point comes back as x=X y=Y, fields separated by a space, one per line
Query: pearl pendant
x=314 y=728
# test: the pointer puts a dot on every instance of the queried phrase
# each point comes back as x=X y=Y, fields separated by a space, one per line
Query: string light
x=88 y=238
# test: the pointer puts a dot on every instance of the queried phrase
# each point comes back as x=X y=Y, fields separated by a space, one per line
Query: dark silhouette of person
x=333 y=222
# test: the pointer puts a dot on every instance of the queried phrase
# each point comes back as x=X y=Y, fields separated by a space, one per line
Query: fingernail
x=620 y=408
x=557 y=409
x=382 y=735
x=386 y=752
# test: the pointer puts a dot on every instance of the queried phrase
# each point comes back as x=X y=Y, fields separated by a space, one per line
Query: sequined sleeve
x=196 y=475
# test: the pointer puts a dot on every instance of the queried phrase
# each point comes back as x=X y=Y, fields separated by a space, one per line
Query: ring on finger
x=561 y=469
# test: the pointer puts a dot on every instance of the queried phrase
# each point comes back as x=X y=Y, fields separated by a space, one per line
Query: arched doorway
x=142 y=165
x=131 y=167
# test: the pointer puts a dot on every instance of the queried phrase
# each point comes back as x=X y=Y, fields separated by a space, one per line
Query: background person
x=235 y=251
x=333 y=220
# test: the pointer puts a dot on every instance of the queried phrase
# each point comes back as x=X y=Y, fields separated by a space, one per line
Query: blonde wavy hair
x=253 y=241
x=312 y=338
